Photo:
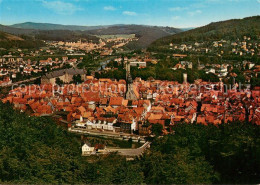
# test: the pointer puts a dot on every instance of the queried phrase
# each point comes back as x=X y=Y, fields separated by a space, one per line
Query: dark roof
x=61 y=72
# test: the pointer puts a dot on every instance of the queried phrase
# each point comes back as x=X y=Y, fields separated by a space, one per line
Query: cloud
x=109 y=8
x=178 y=9
x=176 y=18
x=195 y=12
x=129 y=13
x=60 y=7
x=258 y=1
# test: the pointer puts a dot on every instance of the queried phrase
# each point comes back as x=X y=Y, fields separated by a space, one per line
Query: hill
x=146 y=34
x=8 y=37
x=49 y=26
x=52 y=35
x=15 y=31
x=64 y=35
x=230 y=29
x=10 y=41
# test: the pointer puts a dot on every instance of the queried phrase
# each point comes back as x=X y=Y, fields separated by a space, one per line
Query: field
x=124 y=36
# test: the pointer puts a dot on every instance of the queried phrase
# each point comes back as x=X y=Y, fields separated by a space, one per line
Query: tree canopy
x=35 y=150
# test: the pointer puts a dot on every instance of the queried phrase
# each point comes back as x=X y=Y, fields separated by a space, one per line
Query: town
x=99 y=103
x=134 y=106
x=127 y=92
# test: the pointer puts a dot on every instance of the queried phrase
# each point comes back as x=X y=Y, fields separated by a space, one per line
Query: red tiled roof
x=116 y=101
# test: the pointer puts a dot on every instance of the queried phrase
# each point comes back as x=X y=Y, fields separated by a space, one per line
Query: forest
x=229 y=30
x=35 y=150
x=8 y=41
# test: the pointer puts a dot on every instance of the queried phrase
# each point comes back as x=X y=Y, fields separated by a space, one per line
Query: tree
x=255 y=81
x=33 y=150
x=77 y=79
x=58 y=81
x=157 y=129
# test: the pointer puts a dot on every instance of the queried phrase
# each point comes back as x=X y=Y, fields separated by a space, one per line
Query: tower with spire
x=131 y=94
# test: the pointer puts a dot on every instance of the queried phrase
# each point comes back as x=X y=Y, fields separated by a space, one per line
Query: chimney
x=185 y=78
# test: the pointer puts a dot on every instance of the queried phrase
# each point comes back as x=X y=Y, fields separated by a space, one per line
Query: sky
x=174 y=13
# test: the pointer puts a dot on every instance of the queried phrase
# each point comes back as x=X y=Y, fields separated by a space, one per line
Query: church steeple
x=128 y=73
x=130 y=93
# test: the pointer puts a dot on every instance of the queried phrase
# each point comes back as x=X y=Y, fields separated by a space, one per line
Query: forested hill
x=49 y=26
x=10 y=41
x=15 y=31
x=64 y=35
x=8 y=37
x=146 y=34
x=33 y=150
x=230 y=29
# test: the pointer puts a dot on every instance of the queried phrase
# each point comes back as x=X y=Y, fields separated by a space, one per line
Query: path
x=131 y=152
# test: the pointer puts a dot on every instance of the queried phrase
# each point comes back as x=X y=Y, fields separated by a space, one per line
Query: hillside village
x=240 y=47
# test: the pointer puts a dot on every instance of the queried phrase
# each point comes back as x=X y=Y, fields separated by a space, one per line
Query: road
x=124 y=152
x=114 y=135
x=131 y=152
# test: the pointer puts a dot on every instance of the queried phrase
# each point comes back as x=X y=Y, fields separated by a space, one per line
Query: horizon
x=172 y=13
x=96 y=25
x=125 y=24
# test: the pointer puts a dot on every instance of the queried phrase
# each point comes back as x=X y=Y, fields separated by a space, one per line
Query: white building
x=138 y=63
x=87 y=150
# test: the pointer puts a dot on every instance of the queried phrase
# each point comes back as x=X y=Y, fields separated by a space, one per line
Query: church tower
x=131 y=94
x=128 y=74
